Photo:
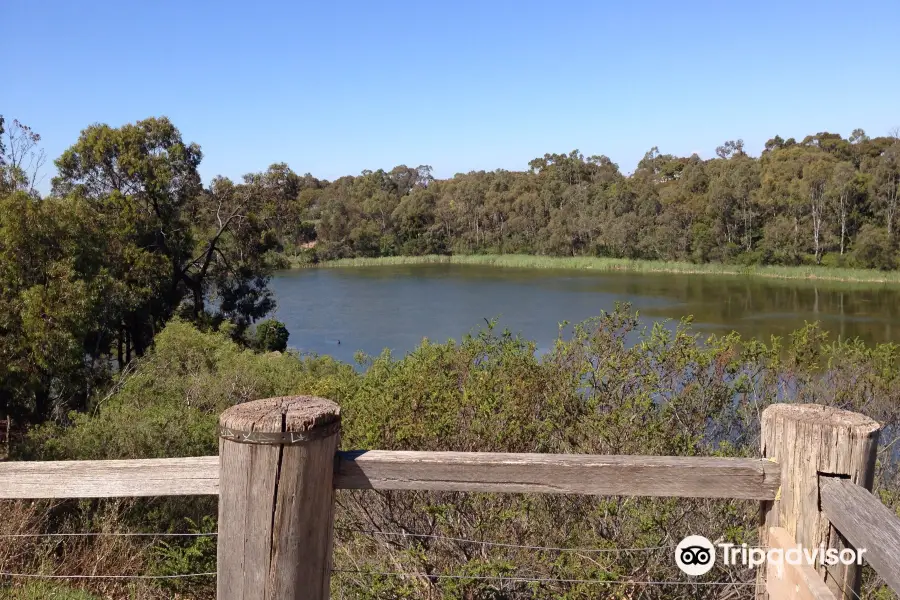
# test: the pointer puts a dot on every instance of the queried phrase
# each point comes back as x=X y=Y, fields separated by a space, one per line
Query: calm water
x=373 y=308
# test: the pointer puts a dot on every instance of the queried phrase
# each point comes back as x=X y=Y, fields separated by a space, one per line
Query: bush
x=270 y=336
x=169 y=405
x=188 y=555
x=873 y=249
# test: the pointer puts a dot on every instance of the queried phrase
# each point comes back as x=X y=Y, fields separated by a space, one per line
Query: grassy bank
x=617 y=264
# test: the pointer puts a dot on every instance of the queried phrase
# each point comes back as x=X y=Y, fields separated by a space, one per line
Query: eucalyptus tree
x=142 y=181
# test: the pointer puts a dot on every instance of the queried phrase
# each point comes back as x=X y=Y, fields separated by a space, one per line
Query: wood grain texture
x=866 y=523
x=793 y=582
x=110 y=478
x=276 y=503
x=438 y=471
x=806 y=440
x=687 y=477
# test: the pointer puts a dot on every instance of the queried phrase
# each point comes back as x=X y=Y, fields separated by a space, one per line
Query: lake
x=341 y=310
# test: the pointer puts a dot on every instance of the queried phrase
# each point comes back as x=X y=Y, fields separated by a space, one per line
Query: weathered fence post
x=276 y=499
x=809 y=440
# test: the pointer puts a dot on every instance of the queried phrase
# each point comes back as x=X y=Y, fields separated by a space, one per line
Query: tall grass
x=618 y=264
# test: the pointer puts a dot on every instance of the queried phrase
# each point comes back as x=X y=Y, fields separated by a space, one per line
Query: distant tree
x=874 y=249
x=816 y=176
x=843 y=190
x=271 y=336
x=731 y=148
x=887 y=185
x=21 y=158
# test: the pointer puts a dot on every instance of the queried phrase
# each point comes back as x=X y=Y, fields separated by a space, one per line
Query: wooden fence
x=278 y=467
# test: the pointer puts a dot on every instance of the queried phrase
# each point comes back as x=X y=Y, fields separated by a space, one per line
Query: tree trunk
x=119 y=355
x=843 y=221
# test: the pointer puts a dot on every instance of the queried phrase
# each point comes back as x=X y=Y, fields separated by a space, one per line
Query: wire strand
x=502 y=544
x=101 y=534
x=40 y=576
x=517 y=579
x=508 y=545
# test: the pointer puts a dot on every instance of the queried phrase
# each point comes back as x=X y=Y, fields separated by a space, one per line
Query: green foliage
x=794 y=205
x=189 y=555
x=270 y=336
x=169 y=405
x=597 y=264
x=874 y=249
x=128 y=240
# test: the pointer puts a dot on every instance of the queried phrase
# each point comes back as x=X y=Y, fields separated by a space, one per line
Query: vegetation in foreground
x=601 y=264
x=606 y=388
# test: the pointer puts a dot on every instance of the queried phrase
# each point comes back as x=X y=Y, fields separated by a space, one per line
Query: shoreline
x=601 y=264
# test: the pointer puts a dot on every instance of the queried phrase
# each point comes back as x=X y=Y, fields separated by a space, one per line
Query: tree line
x=823 y=200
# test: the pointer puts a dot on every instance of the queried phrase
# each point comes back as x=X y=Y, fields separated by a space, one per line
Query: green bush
x=169 y=406
x=873 y=249
x=270 y=336
x=187 y=555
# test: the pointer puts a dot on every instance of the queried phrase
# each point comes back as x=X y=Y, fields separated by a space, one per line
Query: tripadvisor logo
x=695 y=555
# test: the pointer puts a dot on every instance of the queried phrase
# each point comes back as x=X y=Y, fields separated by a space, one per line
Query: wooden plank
x=866 y=523
x=110 y=478
x=789 y=581
x=690 y=477
x=687 y=477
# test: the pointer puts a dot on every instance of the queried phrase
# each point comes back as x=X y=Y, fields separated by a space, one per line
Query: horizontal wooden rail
x=689 y=477
x=110 y=478
x=866 y=523
x=686 y=477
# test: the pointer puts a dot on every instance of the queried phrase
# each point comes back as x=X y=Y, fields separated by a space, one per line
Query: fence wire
x=518 y=579
x=512 y=578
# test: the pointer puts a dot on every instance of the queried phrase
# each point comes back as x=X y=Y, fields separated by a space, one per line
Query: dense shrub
x=270 y=336
x=874 y=249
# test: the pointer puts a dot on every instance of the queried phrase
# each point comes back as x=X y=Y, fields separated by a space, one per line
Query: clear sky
x=333 y=88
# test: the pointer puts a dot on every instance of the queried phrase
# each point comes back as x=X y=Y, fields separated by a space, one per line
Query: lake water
x=372 y=308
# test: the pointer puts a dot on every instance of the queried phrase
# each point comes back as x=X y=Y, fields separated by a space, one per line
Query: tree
x=874 y=249
x=58 y=305
x=142 y=180
x=887 y=185
x=21 y=158
x=843 y=190
x=731 y=148
x=271 y=336
x=815 y=180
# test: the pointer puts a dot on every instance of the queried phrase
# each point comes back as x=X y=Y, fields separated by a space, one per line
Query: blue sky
x=335 y=88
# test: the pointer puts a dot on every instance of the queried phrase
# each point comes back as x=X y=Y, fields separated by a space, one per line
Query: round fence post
x=276 y=499
x=809 y=440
